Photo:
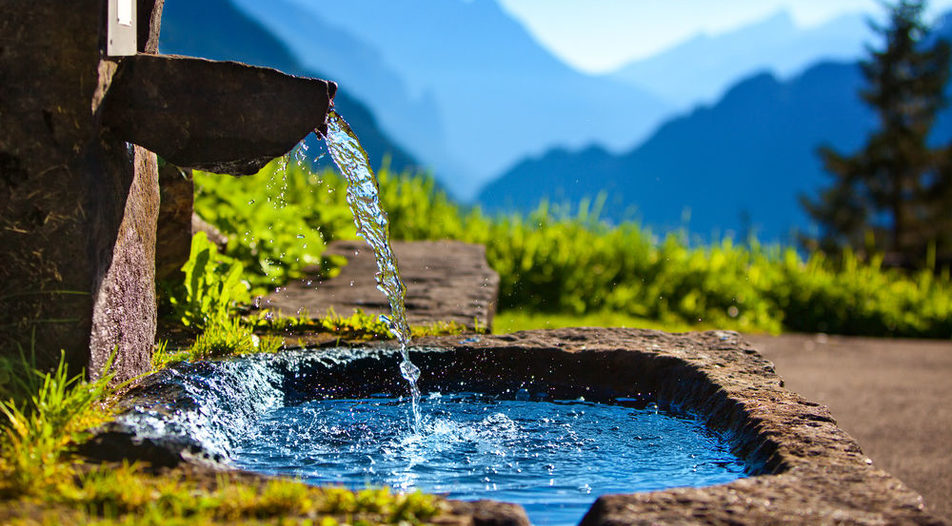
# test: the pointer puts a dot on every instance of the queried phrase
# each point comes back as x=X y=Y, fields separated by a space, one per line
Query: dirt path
x=893 y=396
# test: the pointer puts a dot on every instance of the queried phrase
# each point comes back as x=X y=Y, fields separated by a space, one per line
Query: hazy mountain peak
x=747 y=156
x=700 y=69
x=774 y=26
x=501 y=95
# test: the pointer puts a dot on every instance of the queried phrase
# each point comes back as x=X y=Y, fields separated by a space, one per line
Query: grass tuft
x=44 y=414
x=47 y=413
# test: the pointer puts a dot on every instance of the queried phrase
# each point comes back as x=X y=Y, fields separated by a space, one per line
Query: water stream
x=372 y=225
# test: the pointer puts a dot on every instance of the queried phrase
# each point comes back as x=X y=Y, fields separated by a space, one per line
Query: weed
x=359 y=326
x=229 y=338
x=274 y=322
x=445 y=328
x=213 y=286
x=46 y=413
x=125 y=495
x=560 y=262
x=162 y=356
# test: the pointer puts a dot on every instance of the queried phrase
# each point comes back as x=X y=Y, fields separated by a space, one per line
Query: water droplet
x=409 y=371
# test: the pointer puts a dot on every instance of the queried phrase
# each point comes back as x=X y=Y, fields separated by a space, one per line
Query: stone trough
x=803 y=469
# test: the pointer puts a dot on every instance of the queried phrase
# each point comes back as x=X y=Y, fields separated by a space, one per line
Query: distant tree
x=895 y=194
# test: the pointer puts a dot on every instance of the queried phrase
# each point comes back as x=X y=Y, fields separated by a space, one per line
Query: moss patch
x=127 y=494
x=45 y=415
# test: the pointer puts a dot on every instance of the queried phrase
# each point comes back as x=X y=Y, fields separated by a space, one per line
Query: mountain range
x=464 y=88
x=735 y=166
x=498 y=93
x=700 y=70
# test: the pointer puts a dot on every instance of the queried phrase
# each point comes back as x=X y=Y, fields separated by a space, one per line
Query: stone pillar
x=77 y=206
x=174 y=235
x=78 y=202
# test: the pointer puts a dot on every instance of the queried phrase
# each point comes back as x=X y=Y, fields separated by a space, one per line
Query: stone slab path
x=445 y=280
x=893 y=396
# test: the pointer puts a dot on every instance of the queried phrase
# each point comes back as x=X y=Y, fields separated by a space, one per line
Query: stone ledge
x=445 y=280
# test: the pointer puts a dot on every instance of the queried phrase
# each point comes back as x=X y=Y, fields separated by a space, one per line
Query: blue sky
x=600 y=35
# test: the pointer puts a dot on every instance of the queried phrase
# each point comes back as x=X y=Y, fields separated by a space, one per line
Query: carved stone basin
x=803 y=469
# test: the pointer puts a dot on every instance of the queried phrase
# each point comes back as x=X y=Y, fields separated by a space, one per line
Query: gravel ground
x=893 y=396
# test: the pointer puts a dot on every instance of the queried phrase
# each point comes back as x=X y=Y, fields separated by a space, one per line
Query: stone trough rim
x=802 y=468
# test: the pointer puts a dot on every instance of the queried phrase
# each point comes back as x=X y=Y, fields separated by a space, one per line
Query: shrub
x=562 y=261
x=212 y=287
x=277 y=221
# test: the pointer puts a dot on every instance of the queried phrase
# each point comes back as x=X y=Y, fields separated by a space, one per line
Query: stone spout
x=222 y=117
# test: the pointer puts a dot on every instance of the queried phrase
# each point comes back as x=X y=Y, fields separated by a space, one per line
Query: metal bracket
x=121 y=28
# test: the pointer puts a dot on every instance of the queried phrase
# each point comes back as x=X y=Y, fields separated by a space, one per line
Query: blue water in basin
x=553 y=458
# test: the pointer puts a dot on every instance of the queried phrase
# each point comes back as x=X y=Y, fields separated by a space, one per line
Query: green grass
x=567 y=263
x=46 y=414
x=517 y=320
x=233 y=337
x=557 y=264
x=278 y=221
x=357 y=327
x=125 y=495
x=43 y=414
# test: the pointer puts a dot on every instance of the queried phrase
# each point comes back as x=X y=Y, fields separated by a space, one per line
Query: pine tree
x=894 y=194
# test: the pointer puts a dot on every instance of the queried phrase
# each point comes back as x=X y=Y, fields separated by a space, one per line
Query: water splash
x=372 y=225
x=553 y=458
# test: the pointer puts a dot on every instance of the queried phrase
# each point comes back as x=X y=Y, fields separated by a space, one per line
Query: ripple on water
x=554 y=458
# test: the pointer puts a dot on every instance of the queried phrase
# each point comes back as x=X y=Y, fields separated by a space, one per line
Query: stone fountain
x=79 y=196
x=80 y=128
x=802 y=468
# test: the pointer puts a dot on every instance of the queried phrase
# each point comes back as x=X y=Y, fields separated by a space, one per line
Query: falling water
x=371 y=220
